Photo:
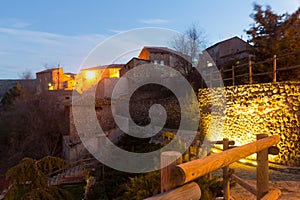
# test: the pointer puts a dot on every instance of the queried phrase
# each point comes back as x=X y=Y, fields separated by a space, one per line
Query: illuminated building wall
x=54 y=79
x=92 y=76
x=271 y=108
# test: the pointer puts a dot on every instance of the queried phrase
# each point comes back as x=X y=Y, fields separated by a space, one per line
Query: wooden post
x=262 y=170
x=221 y=77
x=274 y=69
x=198 y=144
x=211 y=77
x=226 y=184
x=233 y=75
x=250 y=70
x=166 y=181
x=210 y=175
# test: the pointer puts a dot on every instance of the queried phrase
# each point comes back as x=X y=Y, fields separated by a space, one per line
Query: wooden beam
x=244 y=184
x=263 y=73
x=273 y=150
x=230 y=142
x=241 y=75
x=288 y=68
x=272 y=195
x=197 y=168
x=190 y=191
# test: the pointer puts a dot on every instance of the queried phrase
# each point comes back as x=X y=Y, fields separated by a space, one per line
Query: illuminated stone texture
x=270 y=108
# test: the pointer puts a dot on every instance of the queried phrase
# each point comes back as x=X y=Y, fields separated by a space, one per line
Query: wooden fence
x=176 y=179
x=229 y=76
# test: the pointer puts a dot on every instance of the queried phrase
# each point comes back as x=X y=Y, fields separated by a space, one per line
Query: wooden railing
x=176 y=179
x=230 y=76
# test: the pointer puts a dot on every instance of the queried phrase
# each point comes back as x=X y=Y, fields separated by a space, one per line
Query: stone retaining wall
x=241 y=112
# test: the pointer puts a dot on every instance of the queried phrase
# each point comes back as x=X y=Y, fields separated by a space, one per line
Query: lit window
x=50 y=86
x=209 y=64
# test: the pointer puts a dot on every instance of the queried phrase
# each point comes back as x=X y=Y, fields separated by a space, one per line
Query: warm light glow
x=214 y=150
x=90 y=75
x=114 y=73
x=254 y=163
x=271 y=108
x=243 y=160
x=50 y=86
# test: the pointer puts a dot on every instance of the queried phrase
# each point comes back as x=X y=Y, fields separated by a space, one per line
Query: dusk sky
x=35 y=34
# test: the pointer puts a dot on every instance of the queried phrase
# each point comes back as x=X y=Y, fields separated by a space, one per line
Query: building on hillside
x=54 y=79
x=222 y=55
x=104 y=75
x=226 y=53
x=90 y=77
x=169 y=57
x=104 y=79
x=133 y=63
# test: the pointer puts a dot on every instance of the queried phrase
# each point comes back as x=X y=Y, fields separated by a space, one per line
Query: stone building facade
x=232 y=51
x=54 y=79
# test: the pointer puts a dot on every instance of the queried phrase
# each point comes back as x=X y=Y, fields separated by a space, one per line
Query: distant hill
x=28 y=85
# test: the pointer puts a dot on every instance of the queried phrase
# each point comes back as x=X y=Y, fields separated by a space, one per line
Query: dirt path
x=287 y=182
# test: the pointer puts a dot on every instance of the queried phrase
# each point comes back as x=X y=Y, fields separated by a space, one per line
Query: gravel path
x=287 y=181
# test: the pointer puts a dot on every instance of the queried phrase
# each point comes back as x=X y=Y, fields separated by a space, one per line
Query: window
x=162 y=62
x=155 y=62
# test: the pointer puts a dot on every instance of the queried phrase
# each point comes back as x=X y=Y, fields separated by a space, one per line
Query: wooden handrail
x=252 y=65
x=197 y=168
x=185 y=192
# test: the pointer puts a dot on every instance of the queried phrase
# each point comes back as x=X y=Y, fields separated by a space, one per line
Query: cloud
x=154 y=21
x=20 y=25
x=22 y=49
x=14 y=23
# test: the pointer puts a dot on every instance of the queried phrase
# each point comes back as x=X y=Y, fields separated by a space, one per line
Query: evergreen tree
x=273 y=34
x=12 y=94
x=28 y=179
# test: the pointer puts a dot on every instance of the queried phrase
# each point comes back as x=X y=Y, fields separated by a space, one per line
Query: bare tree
x=35 y=128
x=26 y=74
x=190 y=43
